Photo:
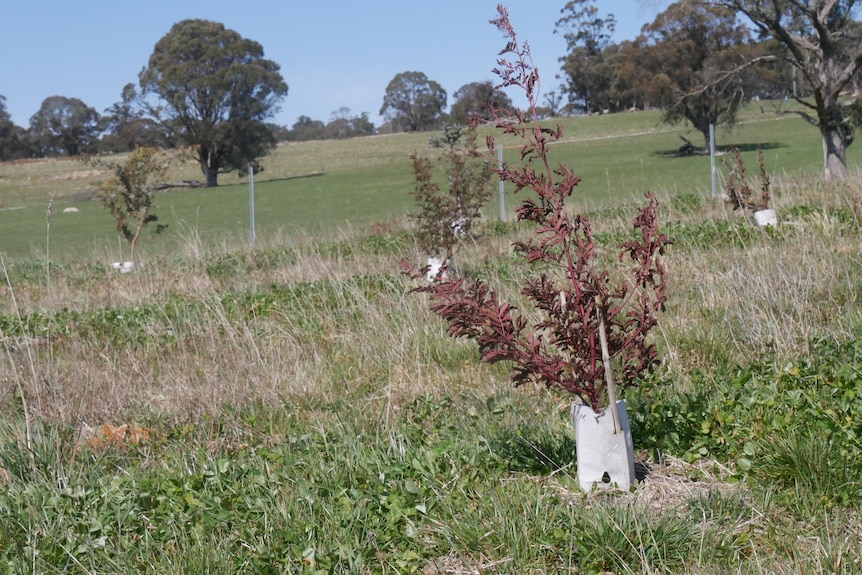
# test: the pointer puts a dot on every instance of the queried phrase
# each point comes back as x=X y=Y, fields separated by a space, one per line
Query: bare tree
x=822 y=43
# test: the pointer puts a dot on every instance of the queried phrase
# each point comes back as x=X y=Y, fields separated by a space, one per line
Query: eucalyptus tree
x=64 y=127
x=343 y=124
x=693 y=56
x=216 y=90
x=823 y=43
x=305 y=128
x=476 y=99
x=412 y=102
x=12 y=141
x=125 y=126
x=587 y=72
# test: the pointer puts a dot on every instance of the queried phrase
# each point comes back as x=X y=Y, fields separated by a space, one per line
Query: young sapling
x=131 y=193
x=446 y=213
x=571 y=295
x=739 y=191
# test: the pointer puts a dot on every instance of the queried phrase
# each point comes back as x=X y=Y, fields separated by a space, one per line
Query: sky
x=333 y=54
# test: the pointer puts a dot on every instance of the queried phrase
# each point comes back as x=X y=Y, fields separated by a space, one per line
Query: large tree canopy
x=12 y=143
x=125 y=127
x=64 y=126
x=693 y=55
x=413 y=102
x=217 y=89
x=822 y=42
x=476 y=100
x=588 y=73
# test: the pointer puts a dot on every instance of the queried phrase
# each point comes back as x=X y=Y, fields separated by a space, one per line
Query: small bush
x=447 y=214
x=740 y=192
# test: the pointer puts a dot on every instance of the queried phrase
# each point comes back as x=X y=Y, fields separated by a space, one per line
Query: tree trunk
x=133 y=243
x=210 y=172
x=689 y=149
x=705 y=132
x=834 y=154
x=212 y=177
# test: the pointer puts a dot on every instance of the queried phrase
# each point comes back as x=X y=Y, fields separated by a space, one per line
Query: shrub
x=446 y=215
x=572 y=296
x=740 y=192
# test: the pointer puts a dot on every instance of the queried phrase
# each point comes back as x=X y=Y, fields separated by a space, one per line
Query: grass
x=324 y=187
x=305 y=414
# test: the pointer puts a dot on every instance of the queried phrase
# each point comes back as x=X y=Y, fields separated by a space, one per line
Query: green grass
x=323 y=187
x=316 y=485
x=307 y=414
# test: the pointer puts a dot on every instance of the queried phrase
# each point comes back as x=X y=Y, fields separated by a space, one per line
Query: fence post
x=712 y=157
x=502 y=186
x=251 y=203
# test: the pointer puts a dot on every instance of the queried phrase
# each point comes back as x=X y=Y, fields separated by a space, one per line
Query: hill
x=328 y=187
x=296 y=409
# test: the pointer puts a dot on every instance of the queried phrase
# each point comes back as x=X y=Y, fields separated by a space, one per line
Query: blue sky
x=333 y=53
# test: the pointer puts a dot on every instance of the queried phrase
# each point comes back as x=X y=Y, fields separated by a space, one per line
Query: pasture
x=326 y=187
x=293 y=409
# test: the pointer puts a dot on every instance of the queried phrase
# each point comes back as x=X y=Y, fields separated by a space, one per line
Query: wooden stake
x=606 y=363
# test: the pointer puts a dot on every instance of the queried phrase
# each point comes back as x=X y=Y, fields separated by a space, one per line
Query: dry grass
x=201 y=356
x=767 y=296
x=221 y=361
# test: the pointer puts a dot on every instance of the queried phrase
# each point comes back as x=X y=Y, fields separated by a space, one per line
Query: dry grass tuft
x=455 y=564
x=673 y=483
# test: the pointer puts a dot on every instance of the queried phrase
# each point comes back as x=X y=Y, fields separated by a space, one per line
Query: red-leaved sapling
x=739 y=191
x=571 y=295
x=446 y=214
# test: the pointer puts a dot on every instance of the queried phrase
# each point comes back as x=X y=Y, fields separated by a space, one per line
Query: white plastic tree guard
x=605 y=458
x=123 y=267
x=434 y=265
x=765 y=218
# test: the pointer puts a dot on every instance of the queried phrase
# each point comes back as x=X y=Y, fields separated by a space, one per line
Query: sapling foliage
x=446 y=213
x=131 y=193
x=561 y=348
x=740 y=192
